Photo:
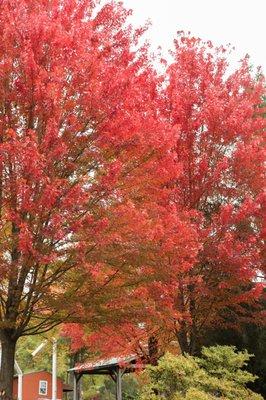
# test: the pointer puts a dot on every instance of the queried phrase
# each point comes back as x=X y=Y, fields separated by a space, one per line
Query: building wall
x=30 y=386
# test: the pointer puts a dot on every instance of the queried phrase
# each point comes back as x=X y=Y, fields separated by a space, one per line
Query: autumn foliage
x=207 y=275
x=82 y=147
x=221 y=149
x=130 y=202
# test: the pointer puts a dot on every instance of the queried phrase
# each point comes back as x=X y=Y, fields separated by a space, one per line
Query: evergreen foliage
x=217 y=374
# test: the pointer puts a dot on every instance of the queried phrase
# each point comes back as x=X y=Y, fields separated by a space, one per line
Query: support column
x=20 y=380
x=75 y=387
x=54 y=370
x=119 y=384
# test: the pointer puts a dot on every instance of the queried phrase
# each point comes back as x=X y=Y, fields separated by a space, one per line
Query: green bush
x=217 y=374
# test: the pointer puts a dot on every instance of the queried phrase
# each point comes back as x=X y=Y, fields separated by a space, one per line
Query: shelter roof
x=105 y=365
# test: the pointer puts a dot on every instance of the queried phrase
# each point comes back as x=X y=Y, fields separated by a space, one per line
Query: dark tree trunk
x=188 y=340
x=7 y=364
x=182 y=332
x=153 y=350
x=187 y=333
x=182 y=338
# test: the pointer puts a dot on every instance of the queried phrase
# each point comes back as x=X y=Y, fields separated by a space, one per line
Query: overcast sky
x=239 y=22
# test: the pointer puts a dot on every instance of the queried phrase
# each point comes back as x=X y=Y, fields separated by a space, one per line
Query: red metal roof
x=104 y=363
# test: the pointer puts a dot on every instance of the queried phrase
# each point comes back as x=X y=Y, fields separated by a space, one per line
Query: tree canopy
x=211 y=253
x=83 y=154
x=131 y=202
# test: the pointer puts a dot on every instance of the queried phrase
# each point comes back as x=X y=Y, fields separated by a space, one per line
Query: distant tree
x=43 y=360
x=251 y=337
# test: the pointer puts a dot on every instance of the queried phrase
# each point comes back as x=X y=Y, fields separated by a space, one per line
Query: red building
x=38 y=386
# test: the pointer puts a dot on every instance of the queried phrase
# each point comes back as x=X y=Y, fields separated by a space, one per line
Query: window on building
x=42 y=387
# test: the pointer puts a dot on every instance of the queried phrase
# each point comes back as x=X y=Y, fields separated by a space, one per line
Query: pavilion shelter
x=115 y=367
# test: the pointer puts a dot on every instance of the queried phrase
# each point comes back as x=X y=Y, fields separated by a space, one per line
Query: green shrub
x=217 y=374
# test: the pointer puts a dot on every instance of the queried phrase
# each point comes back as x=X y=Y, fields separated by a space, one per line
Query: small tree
x=217 y=374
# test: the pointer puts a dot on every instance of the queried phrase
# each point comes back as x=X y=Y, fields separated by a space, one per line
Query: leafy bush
x=217 y=374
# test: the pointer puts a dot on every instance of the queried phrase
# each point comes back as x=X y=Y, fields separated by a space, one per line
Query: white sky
x=239 y=22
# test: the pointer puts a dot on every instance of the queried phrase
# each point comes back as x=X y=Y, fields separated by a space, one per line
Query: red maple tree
x=81 y=144
x=220 y=150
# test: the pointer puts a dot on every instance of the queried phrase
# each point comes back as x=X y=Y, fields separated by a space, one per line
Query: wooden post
x=75 y=387
x=119 y=384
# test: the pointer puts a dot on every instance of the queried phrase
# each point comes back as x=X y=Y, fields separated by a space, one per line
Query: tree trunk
x=7 y=365
x=182 y=337
x=153 y=350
